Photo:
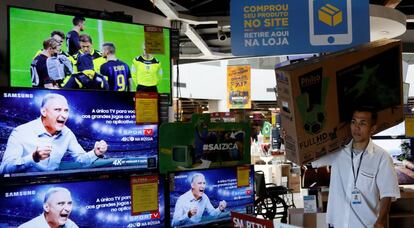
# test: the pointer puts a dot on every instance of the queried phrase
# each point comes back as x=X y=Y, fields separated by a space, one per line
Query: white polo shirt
x=376 y=179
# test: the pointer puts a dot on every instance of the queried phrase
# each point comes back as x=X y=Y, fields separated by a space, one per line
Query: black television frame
x=8 y=56
x=220 y=223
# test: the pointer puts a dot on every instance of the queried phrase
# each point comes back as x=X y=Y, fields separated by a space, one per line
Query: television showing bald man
x=191 y=205
x=57 y=206
x=40 y=144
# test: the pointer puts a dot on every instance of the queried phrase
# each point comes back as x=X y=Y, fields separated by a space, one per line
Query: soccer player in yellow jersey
x=146 y=72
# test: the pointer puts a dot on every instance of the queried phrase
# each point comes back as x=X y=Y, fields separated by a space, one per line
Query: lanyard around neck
x=359 y=165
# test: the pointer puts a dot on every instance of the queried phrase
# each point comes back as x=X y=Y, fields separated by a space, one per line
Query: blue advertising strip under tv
x=93 y=116
x=213 y=186
x=92 y=203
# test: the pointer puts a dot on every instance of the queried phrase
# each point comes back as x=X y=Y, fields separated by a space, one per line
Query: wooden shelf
x=401 y=214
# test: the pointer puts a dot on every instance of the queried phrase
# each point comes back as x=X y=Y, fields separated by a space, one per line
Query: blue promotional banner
x=98 y=203
x=209 y=195
x=68 y=129
x=280 y=27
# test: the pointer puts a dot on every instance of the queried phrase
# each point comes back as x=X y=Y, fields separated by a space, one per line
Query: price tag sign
x=243 y=176
x=144 y=194
x=154 y=40
x=146 y=108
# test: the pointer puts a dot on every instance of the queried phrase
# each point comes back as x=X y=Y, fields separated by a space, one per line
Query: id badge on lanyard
x=356 y=196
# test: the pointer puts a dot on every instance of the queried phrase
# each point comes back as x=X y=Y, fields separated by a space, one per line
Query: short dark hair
x=110 y=47
x=50 y=43
x=85 y=38
x=370 y=109
x=59 y=33
x=77 y=19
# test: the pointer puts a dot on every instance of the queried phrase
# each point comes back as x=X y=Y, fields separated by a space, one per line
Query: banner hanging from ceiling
x=274 y=27
x=238 y=87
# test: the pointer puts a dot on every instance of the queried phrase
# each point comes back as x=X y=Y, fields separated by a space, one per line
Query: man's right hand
x=192 y=212
x=41 y=153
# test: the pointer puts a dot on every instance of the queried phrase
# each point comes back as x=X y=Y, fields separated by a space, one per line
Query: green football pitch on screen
x=29 y=28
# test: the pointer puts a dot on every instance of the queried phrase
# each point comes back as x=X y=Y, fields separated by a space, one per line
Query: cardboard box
x=317 y=96
x=294 y=182
x=297 y=217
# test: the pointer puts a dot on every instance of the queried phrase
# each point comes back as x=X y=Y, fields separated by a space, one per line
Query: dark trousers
x=141 y=88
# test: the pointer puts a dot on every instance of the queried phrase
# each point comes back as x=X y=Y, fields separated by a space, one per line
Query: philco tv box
x=317 y=96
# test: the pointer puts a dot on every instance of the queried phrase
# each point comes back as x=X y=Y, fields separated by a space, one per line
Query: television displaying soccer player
x=127 y=38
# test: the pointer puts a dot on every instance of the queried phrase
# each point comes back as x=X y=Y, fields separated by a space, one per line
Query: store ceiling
x=207 y=16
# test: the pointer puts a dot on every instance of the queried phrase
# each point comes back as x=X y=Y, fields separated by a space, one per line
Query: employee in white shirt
x=363 y=178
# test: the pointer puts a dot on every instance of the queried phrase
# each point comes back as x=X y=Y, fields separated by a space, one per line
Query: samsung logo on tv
x=18 y=95
x=20 y=193
x=220 y=146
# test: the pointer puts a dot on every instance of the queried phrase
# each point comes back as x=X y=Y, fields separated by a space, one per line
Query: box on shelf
x=317 y=96
x=294 y=182
x=297 y=217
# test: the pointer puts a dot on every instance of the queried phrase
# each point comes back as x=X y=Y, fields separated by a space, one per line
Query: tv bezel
x=69 y=173
x=207 y=224
x=86 y=177
x=8 y=57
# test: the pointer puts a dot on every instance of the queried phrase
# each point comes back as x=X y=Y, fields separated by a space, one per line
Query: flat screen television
x=183 y=156
x=29 y=28
x=26 y=127
x=203 y=193
x=102 y=202
x=374 y=82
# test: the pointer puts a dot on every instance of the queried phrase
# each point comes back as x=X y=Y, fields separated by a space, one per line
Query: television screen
x=207 y=196
x=375 y=82
x=202 y=144
x=30 y=28
x=63 y=131
x=86 y=203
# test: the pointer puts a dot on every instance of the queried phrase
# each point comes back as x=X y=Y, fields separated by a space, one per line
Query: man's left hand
x=100 y=148
x=379 y=225
x=222 y=205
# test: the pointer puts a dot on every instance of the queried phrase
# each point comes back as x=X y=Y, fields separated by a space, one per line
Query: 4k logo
x=117 y=162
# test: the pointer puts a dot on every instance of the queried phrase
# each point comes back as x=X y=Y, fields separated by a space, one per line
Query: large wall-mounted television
x=104 y=202
x=209 y=195
x=64 y=126
x=29 y=28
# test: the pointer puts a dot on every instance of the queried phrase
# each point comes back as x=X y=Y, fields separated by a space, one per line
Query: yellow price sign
x=238 y=87
x=243 y=174
x=146 y=108
x=409 y=126
x=154 y=39
x=144 y=194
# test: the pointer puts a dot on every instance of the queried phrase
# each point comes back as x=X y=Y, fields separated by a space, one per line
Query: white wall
x=202 y=81
x=210 y=82
x=139 y=16
x=410 y=79
x=261 y=81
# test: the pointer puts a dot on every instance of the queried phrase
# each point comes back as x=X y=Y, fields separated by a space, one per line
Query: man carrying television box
x=363 y=179
x=40 y=144
x=191 y=205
